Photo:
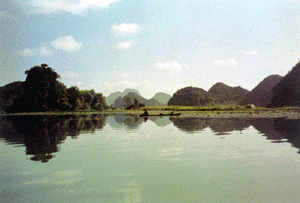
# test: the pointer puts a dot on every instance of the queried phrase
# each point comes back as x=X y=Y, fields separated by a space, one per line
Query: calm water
x=128 y=159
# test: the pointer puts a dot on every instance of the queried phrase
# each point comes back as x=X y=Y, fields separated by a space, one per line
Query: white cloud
x=170 y=67
x=53 y=6
x=28 y=52
x=251 y=53
x=108 y=85
x=125 y=45
x=226 y=62
x=67 y=44
x=43 y=51
x=125 y=29
x=186 y=66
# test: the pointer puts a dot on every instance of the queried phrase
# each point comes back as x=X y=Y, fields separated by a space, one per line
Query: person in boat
x=172 y=112
x=145 y=113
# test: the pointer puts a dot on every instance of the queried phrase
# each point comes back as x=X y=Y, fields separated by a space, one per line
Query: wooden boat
x=174 y=114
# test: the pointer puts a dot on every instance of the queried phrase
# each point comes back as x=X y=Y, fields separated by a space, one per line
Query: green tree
x=128 y=101
x=87 y=98
x=74 y=97
x=99 y=102
x=42 y=91
x=136 y=102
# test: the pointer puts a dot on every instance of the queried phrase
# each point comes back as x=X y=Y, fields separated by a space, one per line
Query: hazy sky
x=150 y=45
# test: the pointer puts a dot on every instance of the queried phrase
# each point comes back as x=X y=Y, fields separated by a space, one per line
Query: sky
x=150 y=45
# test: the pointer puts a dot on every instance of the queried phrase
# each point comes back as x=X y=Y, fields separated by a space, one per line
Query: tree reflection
x=42 y=134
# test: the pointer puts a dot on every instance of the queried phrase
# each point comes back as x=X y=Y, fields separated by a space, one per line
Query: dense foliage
x=42 y=91
x=287 y=91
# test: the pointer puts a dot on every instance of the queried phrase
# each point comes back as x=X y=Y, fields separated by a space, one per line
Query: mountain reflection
x=224 y=126
x=189 y=124
x=42 y=134
x=278 y=130
x=219 y=126
x=290 y=129
x=132 y=122
x=267 y=127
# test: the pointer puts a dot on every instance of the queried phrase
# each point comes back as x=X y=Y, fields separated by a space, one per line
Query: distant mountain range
x=272 y=91
x=116 y=98
x=160 y=100
x=113 y=96
x=120 y=103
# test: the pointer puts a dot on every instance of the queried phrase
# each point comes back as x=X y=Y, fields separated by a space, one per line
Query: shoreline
x=247 y=113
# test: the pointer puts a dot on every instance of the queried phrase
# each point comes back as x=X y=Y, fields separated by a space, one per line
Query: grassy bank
x=187 y=111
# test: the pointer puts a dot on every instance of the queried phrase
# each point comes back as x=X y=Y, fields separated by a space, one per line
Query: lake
x=118 y=158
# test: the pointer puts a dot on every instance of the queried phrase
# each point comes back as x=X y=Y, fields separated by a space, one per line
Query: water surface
x=121 y=158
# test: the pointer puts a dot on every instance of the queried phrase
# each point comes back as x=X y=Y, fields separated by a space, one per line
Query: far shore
x=289 y=113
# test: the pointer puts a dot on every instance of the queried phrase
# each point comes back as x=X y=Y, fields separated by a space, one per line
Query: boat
x=169 y=114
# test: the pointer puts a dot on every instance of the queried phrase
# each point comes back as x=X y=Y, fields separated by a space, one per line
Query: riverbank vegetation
x=223 y=111
x=42 y=92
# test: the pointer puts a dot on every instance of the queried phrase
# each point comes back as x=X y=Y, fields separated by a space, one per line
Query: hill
x=121 y=104
x=126 y=91
x=191 y=96
x=226 y=94
x=113 y=96
x=9 y=93
x=153 y=102
x=261 y=95
x=162 y=98
x=287 y=91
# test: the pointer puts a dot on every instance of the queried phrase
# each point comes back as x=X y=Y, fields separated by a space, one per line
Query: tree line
x=42 y=91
